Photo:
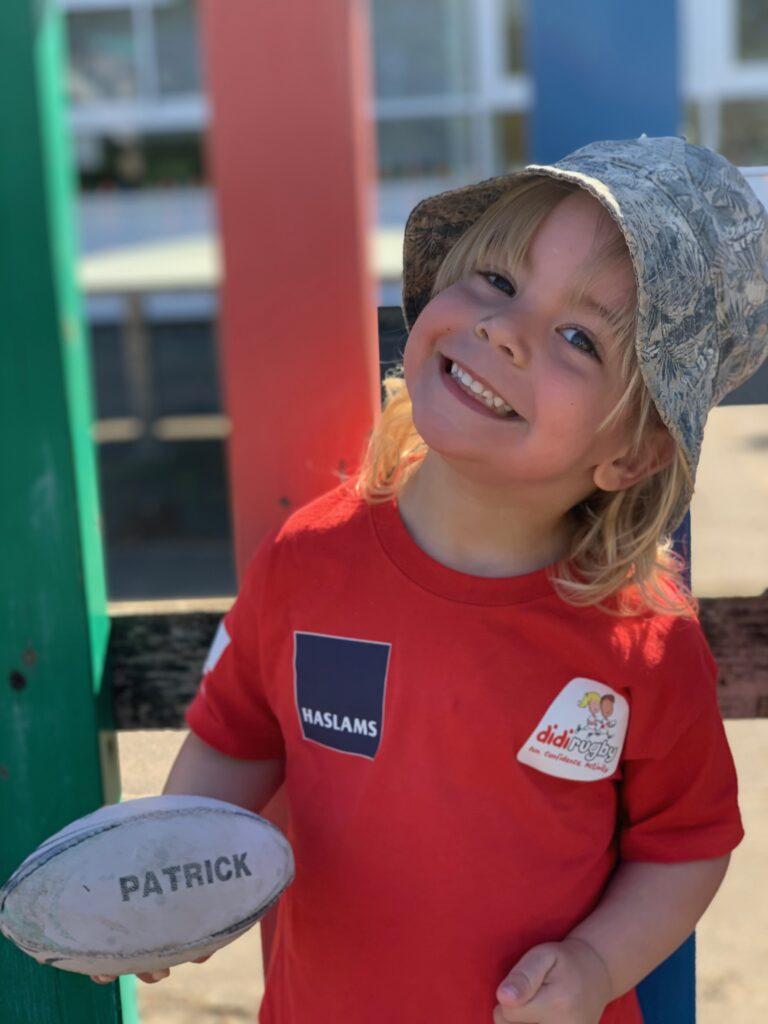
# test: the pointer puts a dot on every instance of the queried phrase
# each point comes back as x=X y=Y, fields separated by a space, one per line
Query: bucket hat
x=697 y=236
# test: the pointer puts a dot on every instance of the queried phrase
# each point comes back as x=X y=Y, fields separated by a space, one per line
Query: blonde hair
x=620 y=557
x=592 y=695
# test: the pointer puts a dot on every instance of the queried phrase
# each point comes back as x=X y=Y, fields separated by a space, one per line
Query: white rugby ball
x=145 y=884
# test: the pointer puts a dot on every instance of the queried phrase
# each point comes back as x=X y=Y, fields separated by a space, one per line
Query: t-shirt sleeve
x=231 y=710
x=679 y=788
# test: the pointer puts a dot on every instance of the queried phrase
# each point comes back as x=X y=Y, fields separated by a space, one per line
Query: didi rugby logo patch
x=582 y=734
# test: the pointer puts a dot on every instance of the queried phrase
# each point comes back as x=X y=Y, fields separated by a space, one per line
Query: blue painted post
x=602 y=70
x=668 y=995
x=607 y=70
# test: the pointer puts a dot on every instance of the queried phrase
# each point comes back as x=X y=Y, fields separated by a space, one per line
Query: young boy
x=419 y=653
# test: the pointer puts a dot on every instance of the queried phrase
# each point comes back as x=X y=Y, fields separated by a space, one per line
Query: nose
x=504 y=333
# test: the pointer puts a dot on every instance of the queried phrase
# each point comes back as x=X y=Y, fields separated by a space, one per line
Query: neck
x=477 y=528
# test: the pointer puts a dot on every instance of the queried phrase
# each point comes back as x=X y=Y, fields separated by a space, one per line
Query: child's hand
x=150 y=977
x=555 y=983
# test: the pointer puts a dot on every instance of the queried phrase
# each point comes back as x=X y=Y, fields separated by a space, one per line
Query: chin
x=439 y=436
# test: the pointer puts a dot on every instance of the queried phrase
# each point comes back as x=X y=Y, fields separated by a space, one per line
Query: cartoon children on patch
x=600 y=711
x=591 y=700
x=607 y=702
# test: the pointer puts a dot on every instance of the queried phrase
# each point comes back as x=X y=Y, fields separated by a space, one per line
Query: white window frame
x=745 y=64
x=150 y=112
x=492 y=90
x=508 y=91
x=713 y=73
x=105 y=5
x=710 y=62
x=187 y=114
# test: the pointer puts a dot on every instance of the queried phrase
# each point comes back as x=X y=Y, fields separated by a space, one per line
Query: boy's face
x=551 y=358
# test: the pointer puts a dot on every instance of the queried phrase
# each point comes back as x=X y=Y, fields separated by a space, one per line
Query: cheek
x=442 y=316
x=570 y=397
x=557 y=401
x=409 y=363
x=418 y=348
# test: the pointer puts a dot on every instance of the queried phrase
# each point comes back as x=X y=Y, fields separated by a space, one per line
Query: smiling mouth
x=479 y=392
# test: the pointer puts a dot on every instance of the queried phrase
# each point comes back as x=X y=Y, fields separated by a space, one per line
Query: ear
x=622 y=472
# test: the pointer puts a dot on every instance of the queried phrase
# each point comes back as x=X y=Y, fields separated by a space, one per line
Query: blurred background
x=456 y=85
x=462 y=89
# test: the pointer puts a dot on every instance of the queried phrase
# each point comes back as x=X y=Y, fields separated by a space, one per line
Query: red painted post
x=291 y=152
x=292 y=157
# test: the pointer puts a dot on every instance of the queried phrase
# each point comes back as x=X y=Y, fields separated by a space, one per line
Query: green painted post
x=57 y=746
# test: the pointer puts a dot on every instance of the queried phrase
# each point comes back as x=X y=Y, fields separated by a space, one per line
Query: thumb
x=526 y=977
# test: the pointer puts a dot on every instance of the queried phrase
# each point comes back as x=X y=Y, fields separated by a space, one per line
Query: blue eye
x=579 y=339
x=498 y=281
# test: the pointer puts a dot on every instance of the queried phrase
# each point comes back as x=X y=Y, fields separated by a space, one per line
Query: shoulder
x=672 y=676
x=335 y=510
x=333 y=527
x=654 y=641
x=650 y=637
x=665 y=645
x=647 y=651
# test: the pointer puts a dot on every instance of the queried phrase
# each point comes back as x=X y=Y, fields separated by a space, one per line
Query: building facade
x=453 y=100
x=452 y=90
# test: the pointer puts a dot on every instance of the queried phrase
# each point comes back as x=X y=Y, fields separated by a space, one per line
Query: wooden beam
x=292 y=157
x=57 y=747
x=155 y=660
x=157 y=650
x=737 y=630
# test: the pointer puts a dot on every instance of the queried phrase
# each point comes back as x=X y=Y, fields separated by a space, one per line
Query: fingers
x=555 y=982
x=500 y=1017
x=526 y=977
x=505 y=1016
x=150 y=977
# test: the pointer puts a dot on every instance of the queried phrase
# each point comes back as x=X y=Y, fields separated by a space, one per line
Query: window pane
x=101 y=56
x=510 y=142
x=753 y=29
x=185 y=371
x=434 y=147
x=691 y=127
x=135 y=162
x=744 y=132
x=420 y=48
x=178 y=54
x=513 y=12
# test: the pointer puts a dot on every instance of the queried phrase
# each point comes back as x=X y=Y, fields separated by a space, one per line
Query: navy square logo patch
x=340 y=691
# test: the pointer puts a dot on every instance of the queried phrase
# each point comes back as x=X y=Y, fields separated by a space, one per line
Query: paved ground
x=730 y=545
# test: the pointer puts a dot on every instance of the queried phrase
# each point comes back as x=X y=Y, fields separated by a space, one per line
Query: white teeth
x=480 y=392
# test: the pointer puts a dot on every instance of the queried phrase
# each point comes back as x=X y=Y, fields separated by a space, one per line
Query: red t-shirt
x=466 y=760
